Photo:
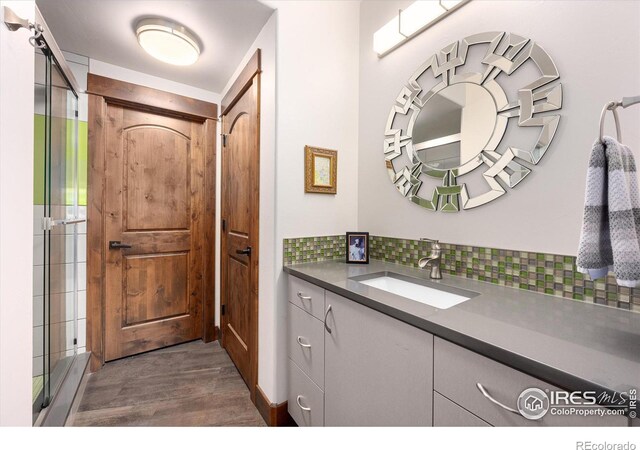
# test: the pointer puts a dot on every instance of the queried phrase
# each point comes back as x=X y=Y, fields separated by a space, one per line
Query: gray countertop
x=568 y=343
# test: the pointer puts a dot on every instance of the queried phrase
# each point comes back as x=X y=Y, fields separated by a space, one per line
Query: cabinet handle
x=303 y=297
x=325 y=319
x=304 y=408
x=303 y=344
x=484 y=392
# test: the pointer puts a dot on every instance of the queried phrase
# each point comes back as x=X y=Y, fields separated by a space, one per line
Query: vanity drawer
x=305 y=401
x=448 y=414
x=307 y=296
x=457 y=370
x=306 y=343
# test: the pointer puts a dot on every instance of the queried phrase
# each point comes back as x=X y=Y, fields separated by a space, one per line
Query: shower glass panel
x=55 y=240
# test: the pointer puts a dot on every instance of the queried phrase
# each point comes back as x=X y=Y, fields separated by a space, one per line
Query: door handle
x=246 y=251
x=116 y=245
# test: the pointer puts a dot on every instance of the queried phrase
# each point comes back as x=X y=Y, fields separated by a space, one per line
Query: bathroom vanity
x=363 y=356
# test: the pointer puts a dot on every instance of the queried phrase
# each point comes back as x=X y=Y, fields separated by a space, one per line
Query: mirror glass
x=454 y=126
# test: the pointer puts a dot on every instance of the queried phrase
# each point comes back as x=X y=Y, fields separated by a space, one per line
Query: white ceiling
x=104 y=30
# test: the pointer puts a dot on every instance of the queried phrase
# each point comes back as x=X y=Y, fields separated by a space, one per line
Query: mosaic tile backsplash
x=313 y=249
x=539 y=272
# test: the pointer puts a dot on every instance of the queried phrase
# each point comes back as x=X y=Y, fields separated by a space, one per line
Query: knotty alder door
x=154 y=233
x=239 y=246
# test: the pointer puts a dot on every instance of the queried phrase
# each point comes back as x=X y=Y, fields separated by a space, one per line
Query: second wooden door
x=239 y=246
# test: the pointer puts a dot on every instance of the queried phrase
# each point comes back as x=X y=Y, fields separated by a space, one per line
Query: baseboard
x=275 y=415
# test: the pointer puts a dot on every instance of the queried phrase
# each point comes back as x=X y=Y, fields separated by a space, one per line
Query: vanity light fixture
x=410 y=22
x=168 y=41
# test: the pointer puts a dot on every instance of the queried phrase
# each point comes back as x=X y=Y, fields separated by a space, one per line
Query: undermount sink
x=423 y=291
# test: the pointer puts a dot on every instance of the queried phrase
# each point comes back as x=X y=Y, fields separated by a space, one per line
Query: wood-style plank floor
x=192 y=384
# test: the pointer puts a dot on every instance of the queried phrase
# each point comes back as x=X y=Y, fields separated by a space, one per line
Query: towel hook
x=611 y=106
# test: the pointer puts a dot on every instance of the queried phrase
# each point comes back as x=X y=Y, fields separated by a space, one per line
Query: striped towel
x=610 y=238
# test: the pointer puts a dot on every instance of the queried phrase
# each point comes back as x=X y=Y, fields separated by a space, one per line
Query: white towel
x=610 y=238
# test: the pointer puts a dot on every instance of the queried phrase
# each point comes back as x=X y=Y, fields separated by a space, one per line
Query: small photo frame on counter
x=320 y=170
x=357 y=247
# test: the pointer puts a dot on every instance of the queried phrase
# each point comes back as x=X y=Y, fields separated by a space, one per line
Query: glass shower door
x=56 y=189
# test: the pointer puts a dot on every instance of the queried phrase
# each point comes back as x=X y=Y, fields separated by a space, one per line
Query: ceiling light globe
x=168 y=42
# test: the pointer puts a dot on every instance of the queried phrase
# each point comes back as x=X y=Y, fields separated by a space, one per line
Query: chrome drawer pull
x=484 y=392
x=325 y=320
x=303 y=344
x=304 y=408
x=303 y=297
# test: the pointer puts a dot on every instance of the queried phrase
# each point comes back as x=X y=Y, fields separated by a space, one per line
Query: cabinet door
x=458 y=372
x=448 y=414
x=378 y=370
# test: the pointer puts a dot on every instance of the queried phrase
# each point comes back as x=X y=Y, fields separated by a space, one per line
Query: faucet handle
x=435 y=242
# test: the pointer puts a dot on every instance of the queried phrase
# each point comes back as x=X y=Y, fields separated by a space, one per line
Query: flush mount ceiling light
x=410 y=22
x=168 y=41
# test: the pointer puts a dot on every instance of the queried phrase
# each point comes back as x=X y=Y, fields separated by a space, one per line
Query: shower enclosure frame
x=60 y=379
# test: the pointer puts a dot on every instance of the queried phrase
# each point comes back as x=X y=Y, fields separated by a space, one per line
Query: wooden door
x=239 y=246
x=154 y=200
x=150 y=185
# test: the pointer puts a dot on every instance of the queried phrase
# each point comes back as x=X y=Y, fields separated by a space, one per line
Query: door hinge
x=75 y=341
x=224 y=225
x=223 y=309
x=224 y=140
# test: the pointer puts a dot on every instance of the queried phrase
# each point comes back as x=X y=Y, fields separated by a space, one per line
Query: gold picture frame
x=320 y=170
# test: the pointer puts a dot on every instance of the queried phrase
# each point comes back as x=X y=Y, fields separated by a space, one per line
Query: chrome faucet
x=433 y=259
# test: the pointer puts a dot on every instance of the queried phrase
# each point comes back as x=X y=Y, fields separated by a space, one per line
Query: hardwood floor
x=192 y=384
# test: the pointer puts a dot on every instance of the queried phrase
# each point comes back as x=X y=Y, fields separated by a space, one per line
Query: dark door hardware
x=223 y=309
x=115 y=245
x=246 y=251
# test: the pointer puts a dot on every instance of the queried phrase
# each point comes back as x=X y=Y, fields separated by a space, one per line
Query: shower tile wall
x=62 y=321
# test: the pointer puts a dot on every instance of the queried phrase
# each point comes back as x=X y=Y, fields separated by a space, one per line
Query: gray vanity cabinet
x=378 y=370
x=458 y=372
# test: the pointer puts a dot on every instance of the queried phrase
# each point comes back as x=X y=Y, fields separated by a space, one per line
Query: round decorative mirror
x=448 y=121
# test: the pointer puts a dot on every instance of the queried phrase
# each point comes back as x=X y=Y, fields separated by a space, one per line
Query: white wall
x=266 y=41
x=596 y=47
x=16 y=227
x=317 y=104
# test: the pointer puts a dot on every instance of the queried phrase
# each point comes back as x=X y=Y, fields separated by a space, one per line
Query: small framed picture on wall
x=321 y=170
x=357 y=247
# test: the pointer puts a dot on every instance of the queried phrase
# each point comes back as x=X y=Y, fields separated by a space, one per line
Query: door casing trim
x=103 y=91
